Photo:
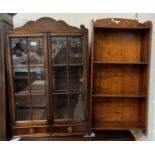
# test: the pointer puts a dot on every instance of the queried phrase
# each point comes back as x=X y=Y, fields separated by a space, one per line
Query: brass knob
x=31 y=130
x=70 y=129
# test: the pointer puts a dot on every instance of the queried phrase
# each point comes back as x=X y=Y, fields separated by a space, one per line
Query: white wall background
x=76 y=19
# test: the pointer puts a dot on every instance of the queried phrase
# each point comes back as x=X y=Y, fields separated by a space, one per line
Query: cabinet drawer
x=70 y=129
x=17 y=131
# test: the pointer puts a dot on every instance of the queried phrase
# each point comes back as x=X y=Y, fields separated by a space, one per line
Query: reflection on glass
x=20 y=79
x=59 y=75
x=76 y=106
x=22 y=101
x=22 y=114
x=28 y=80
x=38 y=100
x=59 y=50
x=60 y=102
x=75 y=50
x=35 y=51
x=76 y=78
x=38 y=114
x=19 y=51
x=22 y=104
x=37 y=79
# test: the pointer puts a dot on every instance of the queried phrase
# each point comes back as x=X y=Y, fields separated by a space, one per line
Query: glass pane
x=38 y=114
x=37 y=79
x=22 y=104
x=22 y=114
x=60 y=102
x=35 y=50
x=75 y=50
x=59 y=78
x=76 y=106
x=20 y=79
x=19 y=51
x=22 y=101
x=38 y=100
x=59 y=50
x=76 y=78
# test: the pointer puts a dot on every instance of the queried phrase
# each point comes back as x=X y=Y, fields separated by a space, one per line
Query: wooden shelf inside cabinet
x=66 y=92
x=64 y=65
x=38 y=107
x=30 y=65
x=120 y=74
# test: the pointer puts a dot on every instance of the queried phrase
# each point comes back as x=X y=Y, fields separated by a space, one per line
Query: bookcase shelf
x=120 y=62
x=120 y=95
x=118 y=125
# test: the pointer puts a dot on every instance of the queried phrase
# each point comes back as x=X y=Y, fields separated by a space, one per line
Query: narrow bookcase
x=120 y=62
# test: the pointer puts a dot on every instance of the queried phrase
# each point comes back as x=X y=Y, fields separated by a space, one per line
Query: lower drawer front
x=17 y=131
x=70 y=129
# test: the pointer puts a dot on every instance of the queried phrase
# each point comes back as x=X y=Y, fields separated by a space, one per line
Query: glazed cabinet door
x=68 y=68
x=28 y=80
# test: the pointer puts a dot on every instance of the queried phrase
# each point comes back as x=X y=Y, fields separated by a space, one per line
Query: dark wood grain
x=5 y=25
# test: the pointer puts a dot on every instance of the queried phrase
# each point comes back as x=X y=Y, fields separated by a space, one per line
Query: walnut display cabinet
x=120 y=63
x=47 y=69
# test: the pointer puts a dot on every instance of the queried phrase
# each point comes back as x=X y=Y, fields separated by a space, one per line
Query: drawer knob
x=70 y=129
x=31 y=130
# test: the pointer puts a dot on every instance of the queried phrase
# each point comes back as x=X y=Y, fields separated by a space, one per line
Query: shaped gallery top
x=121 y=23
x=48 y=25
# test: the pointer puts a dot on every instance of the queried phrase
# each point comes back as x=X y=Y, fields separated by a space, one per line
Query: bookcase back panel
x=120 y=110
x=119 y=80
x=112 y=45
